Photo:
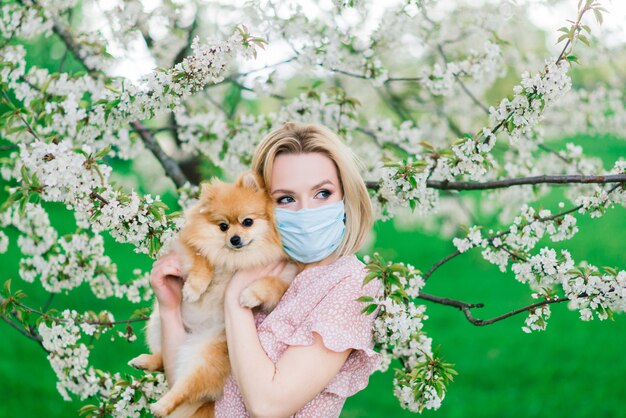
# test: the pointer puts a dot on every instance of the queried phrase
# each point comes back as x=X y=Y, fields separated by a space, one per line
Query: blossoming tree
x=412 y=94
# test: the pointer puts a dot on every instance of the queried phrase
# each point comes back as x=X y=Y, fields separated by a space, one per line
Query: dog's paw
x=149 y=362
x=190 y=294
x=138 y=363
x=249 y=299
x=159 y=410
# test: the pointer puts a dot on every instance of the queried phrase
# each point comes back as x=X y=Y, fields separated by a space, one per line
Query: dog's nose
x=235 y=241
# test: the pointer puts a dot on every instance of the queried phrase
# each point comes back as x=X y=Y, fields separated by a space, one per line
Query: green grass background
x=573 y=369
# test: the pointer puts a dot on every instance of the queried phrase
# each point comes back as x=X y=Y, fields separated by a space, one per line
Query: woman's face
x=306 y=180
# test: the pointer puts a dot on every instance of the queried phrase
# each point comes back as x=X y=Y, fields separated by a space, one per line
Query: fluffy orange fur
x=230 y=228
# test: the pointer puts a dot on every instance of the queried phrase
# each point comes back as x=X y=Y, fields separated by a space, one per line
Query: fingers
x=167 y=265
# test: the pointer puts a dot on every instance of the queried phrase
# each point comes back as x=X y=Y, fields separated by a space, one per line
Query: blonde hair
x=299 y=138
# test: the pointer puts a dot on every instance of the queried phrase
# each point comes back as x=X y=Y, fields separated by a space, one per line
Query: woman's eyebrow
x=320 y=184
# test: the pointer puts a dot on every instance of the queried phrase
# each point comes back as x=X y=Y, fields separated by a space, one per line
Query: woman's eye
x=223 y=226
x=247 y=222
x=284 y=199
x=324 y=193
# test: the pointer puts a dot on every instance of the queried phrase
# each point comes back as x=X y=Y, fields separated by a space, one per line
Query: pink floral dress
x=320 y=299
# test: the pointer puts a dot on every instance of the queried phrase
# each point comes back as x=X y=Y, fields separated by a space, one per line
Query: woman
x=315 y=348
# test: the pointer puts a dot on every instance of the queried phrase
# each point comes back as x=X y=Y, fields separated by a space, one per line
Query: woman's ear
x=249 y=180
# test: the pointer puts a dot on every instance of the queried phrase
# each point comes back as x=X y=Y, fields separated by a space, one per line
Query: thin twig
x=8 y=101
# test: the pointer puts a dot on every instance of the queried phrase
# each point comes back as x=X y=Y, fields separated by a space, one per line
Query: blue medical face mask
x=310 y=235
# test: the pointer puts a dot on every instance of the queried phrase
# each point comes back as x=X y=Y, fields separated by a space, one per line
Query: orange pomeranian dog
x=230 y=228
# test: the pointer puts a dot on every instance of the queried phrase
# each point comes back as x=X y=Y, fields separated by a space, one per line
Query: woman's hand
x=242 y=278
x=166 y=280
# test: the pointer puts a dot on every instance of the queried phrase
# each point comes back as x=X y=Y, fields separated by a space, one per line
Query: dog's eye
x=223 y=226
x=247 y=222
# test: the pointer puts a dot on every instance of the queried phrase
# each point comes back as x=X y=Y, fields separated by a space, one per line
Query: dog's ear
x=249 y=180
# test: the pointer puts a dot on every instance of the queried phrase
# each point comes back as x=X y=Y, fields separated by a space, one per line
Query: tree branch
x=502 y=233
x=467 y=307
x=29 y=333
x=498 y=184
x=170 y=166
x=461 y=83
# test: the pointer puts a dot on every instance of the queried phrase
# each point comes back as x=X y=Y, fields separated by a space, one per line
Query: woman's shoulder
x=354 y=271
x=322 y=285
x=345 y=272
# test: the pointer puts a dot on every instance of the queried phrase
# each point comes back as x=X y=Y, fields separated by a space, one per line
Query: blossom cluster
x=398 y=334
x=64 y=263
x=403 y=184
x=547 y=272
x=597 y=111
x=81 y=171
x=112 y=106
x=522 y=236
x=69 y=357
x=440 y=80
x=212 y=135
x=535 y=93
x=544 y=270
x=97 y=205
x=537 y=319
x=20 y=22
x=591 y=291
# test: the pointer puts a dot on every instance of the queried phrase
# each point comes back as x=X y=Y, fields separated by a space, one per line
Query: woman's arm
x=272 y=390
x=166 y=282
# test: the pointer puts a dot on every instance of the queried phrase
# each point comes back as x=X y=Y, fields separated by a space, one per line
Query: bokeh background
x=573 y=369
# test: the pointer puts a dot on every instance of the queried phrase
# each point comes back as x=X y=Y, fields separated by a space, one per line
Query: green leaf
x=572 y=58
x=427 y=145
x=510 y=125
x=562 y=37
x=104 y=151
x=575 y=272
x=610 y=270
x=598 y=15
x=87 y=409
x=155 y=212
x=365 y=299
x=398 y=267
x=369 y=277
x=7 y=288
x=584 y=40
x=394 y=280
x=24 y=173
x=22 y=206
x=369 y=309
